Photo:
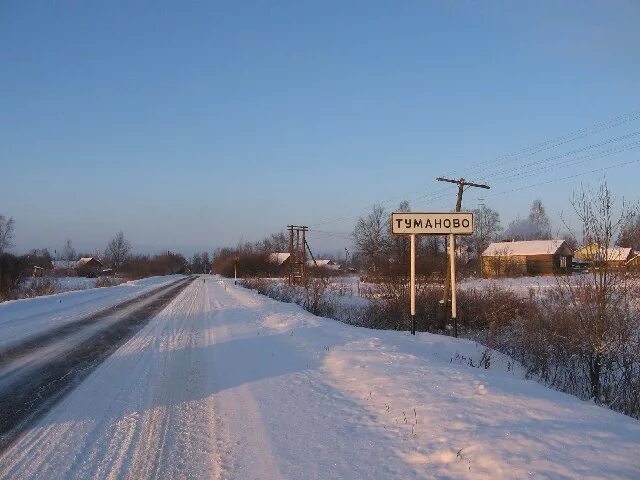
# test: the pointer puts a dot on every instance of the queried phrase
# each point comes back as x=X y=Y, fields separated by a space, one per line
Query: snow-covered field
x=20 y=319
x=225 y=383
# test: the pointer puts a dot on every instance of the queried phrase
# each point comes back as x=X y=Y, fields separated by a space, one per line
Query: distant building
x=89 y=267
x=588 y=252
x=323 y=263
x=532 y=257
x=280 y=259
x=616 y=257
x=85 y=267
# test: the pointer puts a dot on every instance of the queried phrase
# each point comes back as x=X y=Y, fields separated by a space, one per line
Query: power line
x=566 y=178
x=573 y=152
x=570 y=162
x=435 y=195
x=556 y=142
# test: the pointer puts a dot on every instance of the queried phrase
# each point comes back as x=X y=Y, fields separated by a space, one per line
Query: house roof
x=84 y=260
x=528 y=247
x=279 y=258
x=595 y=252
x=618 y=253
x=321 y=263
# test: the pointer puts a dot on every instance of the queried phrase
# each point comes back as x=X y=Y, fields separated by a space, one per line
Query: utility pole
x=297 y=254
x=448 y=283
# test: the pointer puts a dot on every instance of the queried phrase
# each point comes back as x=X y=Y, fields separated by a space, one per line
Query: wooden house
x=615 y=257
x=89 y=267
x=587 y=253
x=532 y=257
x=323 y=263
x=281 y=259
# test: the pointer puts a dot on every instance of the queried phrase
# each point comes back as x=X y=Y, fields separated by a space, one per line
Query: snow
x=20 y=319
x=225 y=383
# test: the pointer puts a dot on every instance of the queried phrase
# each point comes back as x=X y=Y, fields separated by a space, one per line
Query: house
x=587 y=253
x=532 y=257
x=616 y=257
x=89 y=267
x=323 y=263
x=280 y=259
x=85 y=267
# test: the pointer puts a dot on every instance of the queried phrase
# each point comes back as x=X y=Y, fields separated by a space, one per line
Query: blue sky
x=191 y=125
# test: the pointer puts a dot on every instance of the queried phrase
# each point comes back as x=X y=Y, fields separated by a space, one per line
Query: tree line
x=117 y=256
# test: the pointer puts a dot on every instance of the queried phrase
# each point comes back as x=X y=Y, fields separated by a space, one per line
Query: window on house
x=563 y=262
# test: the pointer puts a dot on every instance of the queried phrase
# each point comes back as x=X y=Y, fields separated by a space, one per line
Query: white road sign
x=423 y=223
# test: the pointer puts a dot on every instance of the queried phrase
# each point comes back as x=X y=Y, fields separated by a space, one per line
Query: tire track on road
x=34 y=392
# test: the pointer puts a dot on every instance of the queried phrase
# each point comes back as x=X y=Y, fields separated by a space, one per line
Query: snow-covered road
x=225 y=383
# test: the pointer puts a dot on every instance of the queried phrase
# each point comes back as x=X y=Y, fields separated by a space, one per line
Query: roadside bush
x=556 y=335
x=11 y=275
x=40 y=286
x=584 y=343
x=108 y=281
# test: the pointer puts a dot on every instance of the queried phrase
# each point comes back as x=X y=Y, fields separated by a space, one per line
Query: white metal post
x=412 y=283
x=452 y=264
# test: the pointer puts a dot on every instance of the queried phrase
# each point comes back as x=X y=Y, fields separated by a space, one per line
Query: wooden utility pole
x=297 y=254
x=448 y=283
x=290 y=227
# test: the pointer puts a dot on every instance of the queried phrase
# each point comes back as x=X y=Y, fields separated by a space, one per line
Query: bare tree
x=630 y=234
x=536 y=226
x=399 y=244
x=276 y=242
x=370 y=235
x=538 y=217
x=487 y=229
x=68 y=254
x=597 y=306
x=7 y=226
x=117 y=250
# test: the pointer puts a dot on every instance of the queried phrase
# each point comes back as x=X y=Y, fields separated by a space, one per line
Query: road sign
x=425 y=223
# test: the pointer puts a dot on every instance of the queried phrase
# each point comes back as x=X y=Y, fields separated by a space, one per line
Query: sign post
x=434 y=223
x=452 y=267
x=412 y=283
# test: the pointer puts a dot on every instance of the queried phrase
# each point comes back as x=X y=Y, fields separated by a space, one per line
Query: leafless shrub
x=316 y=301
x=108 y=281
x=40 y=286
